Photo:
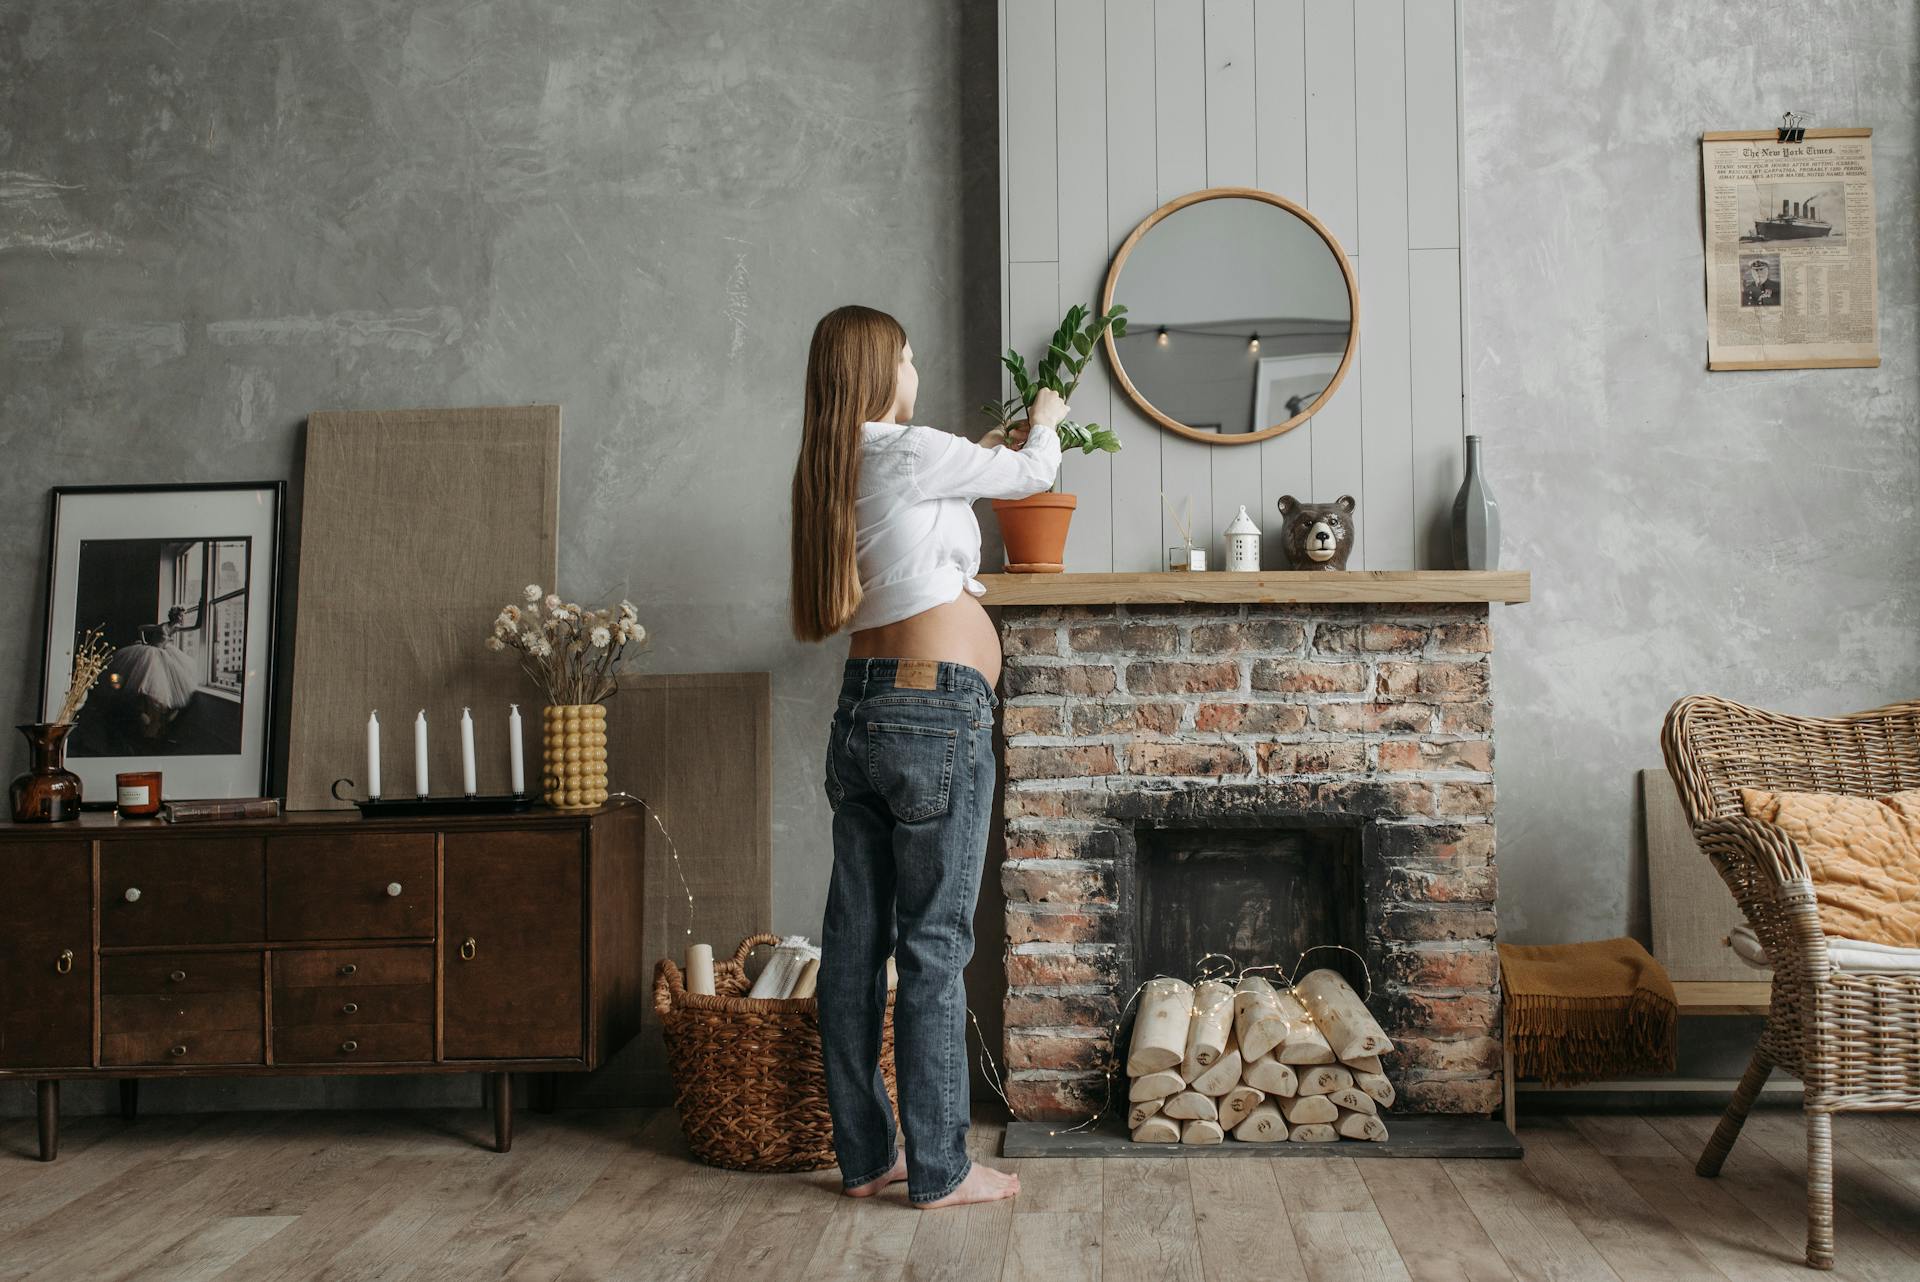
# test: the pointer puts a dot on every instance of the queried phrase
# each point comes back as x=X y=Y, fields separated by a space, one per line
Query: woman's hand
x=1048 y=409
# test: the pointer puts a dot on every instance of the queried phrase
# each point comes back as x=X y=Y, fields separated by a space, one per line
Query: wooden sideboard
x=319 y=943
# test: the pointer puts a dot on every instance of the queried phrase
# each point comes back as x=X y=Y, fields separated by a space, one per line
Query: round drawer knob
x=349 y=1047
x=349 y=969
x=351 y=1008
x=393 y=890
x=177 y=1051
x=133 y=894
x=176 y=977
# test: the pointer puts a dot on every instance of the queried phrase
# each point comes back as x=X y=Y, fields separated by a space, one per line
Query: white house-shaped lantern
x=1243 y=542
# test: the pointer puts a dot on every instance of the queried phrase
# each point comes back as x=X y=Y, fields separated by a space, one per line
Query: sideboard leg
x=129 y=1098
x=502 y=1111
x=49 y=1091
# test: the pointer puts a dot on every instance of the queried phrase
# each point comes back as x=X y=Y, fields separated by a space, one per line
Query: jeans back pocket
x=912 y=767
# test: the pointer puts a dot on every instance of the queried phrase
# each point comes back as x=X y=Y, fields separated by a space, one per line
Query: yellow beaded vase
x=574 y=755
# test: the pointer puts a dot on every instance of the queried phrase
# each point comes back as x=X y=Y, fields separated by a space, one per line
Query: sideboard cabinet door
x=511 y=945
x=46 y=955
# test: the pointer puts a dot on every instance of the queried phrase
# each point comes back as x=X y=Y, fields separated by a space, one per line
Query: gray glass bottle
x=1476 y=518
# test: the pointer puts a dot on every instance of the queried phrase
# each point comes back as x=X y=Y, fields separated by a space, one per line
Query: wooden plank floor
x=602 y=1196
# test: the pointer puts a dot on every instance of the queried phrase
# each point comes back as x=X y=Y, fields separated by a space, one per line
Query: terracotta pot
x=49 y=792
x=1035 y=531
x=574 y=755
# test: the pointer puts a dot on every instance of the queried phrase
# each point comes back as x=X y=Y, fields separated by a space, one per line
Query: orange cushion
x=1864 y=854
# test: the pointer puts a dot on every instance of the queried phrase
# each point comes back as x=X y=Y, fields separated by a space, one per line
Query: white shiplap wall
x=1110 y=108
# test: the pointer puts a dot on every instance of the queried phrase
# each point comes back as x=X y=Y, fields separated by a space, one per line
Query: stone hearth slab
x=1408 y=1135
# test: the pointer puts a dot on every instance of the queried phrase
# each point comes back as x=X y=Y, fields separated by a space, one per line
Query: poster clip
x=1793 y=126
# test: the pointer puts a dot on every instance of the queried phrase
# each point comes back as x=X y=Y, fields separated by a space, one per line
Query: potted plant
x=1035 y=528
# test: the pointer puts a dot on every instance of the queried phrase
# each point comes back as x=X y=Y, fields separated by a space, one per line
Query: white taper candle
x=467 y=785
x=420 y=754
x=516 y=761
x=373 y=755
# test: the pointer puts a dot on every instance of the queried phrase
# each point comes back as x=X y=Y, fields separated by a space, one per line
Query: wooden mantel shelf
x=1220 y=587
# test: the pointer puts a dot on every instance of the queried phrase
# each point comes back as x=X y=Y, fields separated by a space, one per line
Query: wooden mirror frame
x=1353 y=308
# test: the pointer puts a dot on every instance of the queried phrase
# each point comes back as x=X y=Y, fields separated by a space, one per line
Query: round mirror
x=1242 y=315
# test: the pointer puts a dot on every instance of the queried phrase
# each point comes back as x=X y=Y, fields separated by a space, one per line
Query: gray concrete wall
x=216 y=218
x=1748 y=534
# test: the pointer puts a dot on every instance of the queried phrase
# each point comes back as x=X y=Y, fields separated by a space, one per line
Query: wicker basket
x=747 y=1075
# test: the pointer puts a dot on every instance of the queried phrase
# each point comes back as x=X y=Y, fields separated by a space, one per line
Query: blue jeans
x=910 y=776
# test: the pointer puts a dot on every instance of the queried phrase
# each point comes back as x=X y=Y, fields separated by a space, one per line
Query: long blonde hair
x=851 y=369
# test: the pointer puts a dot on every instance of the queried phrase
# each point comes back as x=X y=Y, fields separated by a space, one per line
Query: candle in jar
x=420 y=754
x=515 y=760
x=466 y=752
x=373 y=755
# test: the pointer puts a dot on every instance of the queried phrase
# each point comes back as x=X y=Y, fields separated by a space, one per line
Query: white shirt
x=916 y=539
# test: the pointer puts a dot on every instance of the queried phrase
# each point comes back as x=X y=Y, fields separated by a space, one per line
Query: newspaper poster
x=1792 y=276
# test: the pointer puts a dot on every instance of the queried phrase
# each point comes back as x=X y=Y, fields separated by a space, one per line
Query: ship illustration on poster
x=1796 y=221
x=1793 y=211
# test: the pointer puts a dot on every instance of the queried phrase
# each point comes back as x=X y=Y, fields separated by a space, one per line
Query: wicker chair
x=1853 y=1040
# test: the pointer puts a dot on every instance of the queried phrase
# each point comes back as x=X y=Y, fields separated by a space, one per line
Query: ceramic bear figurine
x=1316 y=536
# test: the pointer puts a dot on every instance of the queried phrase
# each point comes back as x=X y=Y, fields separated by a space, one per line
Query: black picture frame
x=258 y=672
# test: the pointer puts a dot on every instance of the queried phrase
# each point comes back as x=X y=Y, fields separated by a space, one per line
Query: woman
x=885 y=544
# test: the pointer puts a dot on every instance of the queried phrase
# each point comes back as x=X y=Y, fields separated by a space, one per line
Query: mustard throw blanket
x=1583 y=1012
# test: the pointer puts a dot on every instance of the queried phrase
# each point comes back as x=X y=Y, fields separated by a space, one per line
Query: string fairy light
x=1210 y=967
x=672 y=850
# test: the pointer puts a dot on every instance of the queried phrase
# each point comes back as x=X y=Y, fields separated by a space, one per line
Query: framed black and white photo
x=182 y=580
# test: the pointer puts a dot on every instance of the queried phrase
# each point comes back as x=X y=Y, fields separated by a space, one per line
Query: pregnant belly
x=957 y=632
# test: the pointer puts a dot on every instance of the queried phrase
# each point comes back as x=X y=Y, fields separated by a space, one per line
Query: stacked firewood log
x=1256 y=1062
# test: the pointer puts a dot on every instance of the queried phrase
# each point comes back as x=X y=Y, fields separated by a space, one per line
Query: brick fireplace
x=1250 y=778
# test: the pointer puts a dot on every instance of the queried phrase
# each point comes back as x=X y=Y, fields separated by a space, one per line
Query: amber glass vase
x=49 y=792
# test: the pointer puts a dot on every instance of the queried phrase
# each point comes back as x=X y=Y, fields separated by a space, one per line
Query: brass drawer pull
x=469 y=948
x=349 y=970
x=65 y=965
x=177 y=1051
x=349 y=1047
x=351 y=1008
x=133 y=894
x=393 y=890
x=178 y=976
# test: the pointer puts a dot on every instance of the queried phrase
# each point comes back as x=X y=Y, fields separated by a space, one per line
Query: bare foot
x=898 y=1173
x=983 y=1184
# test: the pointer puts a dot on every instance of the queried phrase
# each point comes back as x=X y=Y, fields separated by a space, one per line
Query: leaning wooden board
x=416 y=526
x=698 y=747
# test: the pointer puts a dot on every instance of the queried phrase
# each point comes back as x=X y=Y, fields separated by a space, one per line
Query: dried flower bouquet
x=575 y=655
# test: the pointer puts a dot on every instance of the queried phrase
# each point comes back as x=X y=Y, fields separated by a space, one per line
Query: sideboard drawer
x=346 y=968
x=367 y=886
x=237 y=1046
x=351 y=1006
x=158 y=1012
x=180 y=973
x=365 y=1044
x=182 y=891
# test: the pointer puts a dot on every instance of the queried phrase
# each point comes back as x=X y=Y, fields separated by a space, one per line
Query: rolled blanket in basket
x=1581 y=1012
x=784 y=967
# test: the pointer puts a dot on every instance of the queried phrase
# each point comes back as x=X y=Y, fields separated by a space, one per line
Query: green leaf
x=1082 y=344
x=1118 y=309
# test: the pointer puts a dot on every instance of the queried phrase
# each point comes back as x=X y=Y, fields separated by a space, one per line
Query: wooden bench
x=1695 y=997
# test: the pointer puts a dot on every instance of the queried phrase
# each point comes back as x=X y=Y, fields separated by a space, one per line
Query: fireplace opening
x=1260 y=894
